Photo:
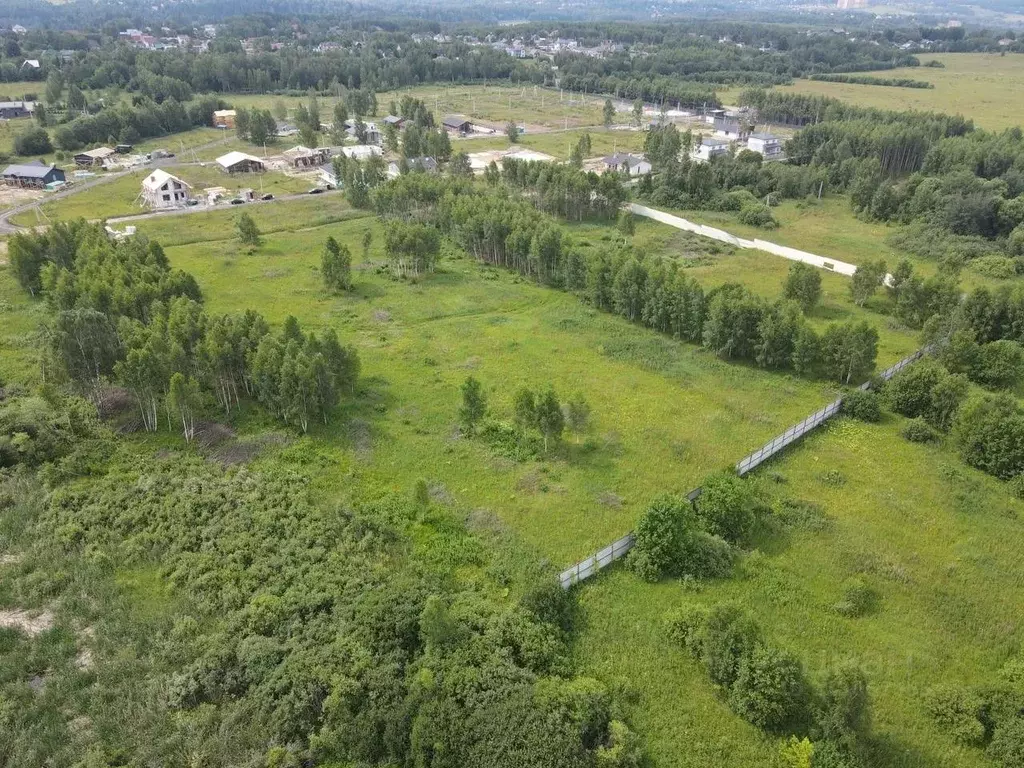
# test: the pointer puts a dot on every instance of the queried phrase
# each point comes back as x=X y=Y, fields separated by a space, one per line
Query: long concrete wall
x=793 y=254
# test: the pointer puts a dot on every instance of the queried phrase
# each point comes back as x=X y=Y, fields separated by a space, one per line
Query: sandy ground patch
x=30 y=622
x=14 y=196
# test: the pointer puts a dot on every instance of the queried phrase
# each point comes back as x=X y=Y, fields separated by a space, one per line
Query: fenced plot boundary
x=618 y=549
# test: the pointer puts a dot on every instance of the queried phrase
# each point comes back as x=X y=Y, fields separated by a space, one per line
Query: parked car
x=267 y=196
x=316 y=190
x=237 y=201
x=192 y=202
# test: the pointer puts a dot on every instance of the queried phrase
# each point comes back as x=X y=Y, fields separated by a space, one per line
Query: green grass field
x=986 y=87
x=662 y=409
x=940 y=543
x=560 y=143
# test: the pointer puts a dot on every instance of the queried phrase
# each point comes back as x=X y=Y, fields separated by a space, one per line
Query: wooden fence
x=587 y=567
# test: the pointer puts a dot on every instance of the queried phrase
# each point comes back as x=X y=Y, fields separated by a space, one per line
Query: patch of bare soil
x=32 y=623
x=233 y=452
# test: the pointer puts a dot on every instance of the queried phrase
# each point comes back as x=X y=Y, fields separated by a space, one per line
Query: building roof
x=158 y=178
x=454 y=121
x=96 y=154
x=34 y=63
x=394 y=119
x=764 y=136
x=224 y=113
x=423 y=163
x=14 y=105
x=32 y=170
x=235 y=157
x=711 y=141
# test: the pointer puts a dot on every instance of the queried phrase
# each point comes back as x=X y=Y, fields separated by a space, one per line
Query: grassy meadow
x=662 y=409
x=939 y=542
x=986 y=87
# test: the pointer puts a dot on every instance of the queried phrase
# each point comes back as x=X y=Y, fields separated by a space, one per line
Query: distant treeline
x=894 y=82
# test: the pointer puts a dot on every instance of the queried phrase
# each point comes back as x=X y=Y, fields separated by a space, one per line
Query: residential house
x=32 y=174
x=710 y=147
x=765 y=144
x=96 y=156
x=457 y=125
x=371 y=131
x=304 y=157
x=239 y=162
x=162 y=190
x=398 y=122
x=224 y=118
x=10 y=110
x=284 y=130
x=632 y=165
x=30 y=63
x=361 y=152
x=415 y=165
x=731 y=126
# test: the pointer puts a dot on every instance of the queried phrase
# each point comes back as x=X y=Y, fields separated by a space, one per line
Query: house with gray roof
x=31 y=174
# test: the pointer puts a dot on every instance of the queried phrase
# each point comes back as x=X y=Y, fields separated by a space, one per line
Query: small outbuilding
x=96 y=156
x=240 y=162
x=32 y=174
x=458 y=125
x=163 y=190
x=224 y=118
x=10 y=110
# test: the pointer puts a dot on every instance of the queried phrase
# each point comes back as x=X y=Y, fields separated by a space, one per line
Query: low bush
x=758 y=215
x=958 y=712
x=919 y=431
x=864 y=405
x=859 y=599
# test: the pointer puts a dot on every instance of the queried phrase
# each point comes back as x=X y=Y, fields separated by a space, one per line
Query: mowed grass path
x=940 y=542
x=665 y=413
x=986 y=87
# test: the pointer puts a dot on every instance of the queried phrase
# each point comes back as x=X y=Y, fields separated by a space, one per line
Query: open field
x=940 y=542
x=121 y=196
x=986 y=87
x=560 y=143
x=665 y=412
x=535 y=106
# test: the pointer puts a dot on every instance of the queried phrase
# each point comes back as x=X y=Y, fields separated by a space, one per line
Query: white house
x=633 y=165
x=415 y=165
x=162 y=190
x=710 y=147
x=766 y=144
x=361 y=152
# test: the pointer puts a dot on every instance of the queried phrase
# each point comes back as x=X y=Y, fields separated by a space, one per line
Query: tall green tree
x=184 y=399
x=474 y=404
x=803 y=285
x=336 y=266
x=608 y=113
x=248 y=232
x=550 y=419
